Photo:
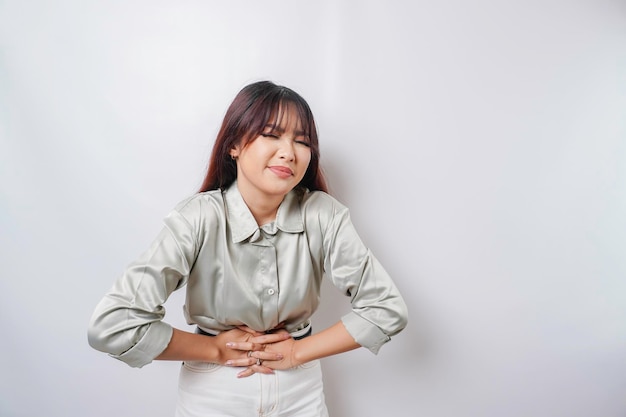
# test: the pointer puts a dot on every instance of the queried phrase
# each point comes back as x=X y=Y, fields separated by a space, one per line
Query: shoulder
x=321 y=201
x=191 y=203
x=322 y=207
x=199 y=208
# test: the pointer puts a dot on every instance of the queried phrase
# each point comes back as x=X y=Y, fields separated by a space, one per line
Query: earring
x=233 y=157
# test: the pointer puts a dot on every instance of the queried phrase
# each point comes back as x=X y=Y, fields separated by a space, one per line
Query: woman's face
x=273 y=163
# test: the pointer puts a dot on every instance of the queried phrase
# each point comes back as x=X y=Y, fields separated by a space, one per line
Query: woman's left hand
x=258 y=352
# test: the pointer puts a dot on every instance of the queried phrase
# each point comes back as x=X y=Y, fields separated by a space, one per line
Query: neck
x=262 y=207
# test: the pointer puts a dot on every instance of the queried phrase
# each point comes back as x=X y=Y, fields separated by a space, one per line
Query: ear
x=234 y=153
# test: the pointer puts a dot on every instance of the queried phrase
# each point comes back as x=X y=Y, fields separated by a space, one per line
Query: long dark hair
x=244 y=121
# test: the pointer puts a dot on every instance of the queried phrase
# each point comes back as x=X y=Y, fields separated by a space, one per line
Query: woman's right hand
x=245 y=347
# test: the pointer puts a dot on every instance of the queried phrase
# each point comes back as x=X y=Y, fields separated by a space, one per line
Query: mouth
x=281 y=171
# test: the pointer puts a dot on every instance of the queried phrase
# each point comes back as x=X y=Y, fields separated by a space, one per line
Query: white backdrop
x=480 y=145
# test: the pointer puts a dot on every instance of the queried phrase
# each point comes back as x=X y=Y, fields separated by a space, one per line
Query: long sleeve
x=378 y=310
x=127 y=323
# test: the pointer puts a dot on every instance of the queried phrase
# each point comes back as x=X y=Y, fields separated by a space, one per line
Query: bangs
x=273 y=109
x=283 y=110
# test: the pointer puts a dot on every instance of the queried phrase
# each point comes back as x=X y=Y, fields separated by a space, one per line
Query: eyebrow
x=280 y=129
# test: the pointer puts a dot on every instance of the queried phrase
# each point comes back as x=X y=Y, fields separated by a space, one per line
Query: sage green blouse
x=237 y=273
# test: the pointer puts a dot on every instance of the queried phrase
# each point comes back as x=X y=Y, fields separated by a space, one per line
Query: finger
x=247 y=346
x=268 y=356
x=245 y=373
x=246 y=362
x=250 y=331
x=255 y=360
x=269 y=338
x=253 y=369
x=256 y=356
x=260 y=369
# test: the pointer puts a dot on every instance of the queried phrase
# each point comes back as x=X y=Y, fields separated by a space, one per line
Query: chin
x=284 y=190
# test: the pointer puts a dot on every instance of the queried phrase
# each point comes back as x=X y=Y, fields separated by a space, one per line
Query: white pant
x=210 y=390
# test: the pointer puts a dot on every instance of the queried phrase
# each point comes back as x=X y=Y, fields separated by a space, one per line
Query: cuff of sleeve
x=151 y=345
x=364 y=332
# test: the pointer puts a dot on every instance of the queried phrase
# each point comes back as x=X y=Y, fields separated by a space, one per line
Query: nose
x=286 y=150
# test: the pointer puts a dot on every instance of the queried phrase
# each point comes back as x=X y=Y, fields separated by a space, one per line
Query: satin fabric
x=239 y=273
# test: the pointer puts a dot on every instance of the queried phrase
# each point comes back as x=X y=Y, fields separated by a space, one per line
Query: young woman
x=252 y=247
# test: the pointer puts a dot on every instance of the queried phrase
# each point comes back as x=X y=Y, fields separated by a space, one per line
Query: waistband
x=303 y=331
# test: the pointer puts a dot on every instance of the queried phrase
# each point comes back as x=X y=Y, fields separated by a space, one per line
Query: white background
x=481 y=147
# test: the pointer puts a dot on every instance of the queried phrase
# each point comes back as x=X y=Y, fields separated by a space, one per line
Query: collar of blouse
x=242 y=222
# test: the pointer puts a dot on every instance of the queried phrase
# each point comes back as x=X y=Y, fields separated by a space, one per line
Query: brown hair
x=245 y=120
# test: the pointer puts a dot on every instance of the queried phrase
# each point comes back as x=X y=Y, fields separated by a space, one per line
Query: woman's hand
x=255 y=346
x=331 y=341
x=285 y=350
